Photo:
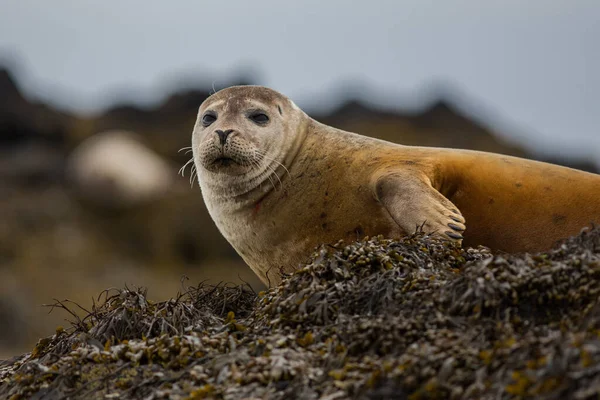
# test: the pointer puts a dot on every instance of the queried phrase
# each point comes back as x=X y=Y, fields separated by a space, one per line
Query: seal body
x=286 y=183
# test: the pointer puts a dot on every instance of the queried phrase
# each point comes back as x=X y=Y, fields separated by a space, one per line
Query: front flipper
x=413 y=203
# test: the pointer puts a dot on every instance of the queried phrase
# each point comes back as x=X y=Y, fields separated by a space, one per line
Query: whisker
x=275 y=173
x=193 y=175
x=182 y=169
x=253 y=163
x=273 y=160
x=256 y=164
x=268 y=176
x=184 y=148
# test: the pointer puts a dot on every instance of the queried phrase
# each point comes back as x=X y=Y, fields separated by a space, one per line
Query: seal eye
x=208 y=119
x=259 y=118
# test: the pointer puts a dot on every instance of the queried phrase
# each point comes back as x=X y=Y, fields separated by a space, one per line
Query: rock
x=115 y=169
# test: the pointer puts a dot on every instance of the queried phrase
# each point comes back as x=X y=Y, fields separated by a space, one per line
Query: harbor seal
x=278 y=183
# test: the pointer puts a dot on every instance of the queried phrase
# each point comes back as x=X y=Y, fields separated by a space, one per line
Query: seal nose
x=223 y=135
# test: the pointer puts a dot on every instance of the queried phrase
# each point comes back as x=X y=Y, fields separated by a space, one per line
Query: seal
x=278 y=183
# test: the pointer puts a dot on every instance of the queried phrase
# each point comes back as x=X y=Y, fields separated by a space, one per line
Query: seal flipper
x=413 y=203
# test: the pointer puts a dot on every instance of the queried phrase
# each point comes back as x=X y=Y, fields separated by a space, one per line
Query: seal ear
x=415 y=204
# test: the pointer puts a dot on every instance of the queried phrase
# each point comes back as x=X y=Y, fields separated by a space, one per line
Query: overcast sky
x=532 y=65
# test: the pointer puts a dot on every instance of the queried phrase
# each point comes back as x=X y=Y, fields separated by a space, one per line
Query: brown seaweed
x=415 y=318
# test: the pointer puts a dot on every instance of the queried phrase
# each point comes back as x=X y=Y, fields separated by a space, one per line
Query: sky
x=530 y=69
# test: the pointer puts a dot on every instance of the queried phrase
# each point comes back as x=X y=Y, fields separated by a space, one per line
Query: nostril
x=223 y=135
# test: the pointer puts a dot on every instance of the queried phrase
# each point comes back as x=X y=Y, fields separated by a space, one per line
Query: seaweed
x=416 y=318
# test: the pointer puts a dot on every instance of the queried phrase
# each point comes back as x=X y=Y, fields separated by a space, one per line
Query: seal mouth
x=223 y=162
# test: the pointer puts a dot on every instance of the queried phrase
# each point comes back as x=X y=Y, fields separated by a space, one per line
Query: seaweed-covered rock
x=415 y=318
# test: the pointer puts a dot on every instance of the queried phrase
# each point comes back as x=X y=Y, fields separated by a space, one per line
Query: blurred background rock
x=84 y=89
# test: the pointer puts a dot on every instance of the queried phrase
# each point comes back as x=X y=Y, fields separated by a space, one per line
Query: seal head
x=242 y=136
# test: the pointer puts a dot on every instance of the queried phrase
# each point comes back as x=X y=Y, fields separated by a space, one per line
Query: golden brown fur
x=317 y=184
